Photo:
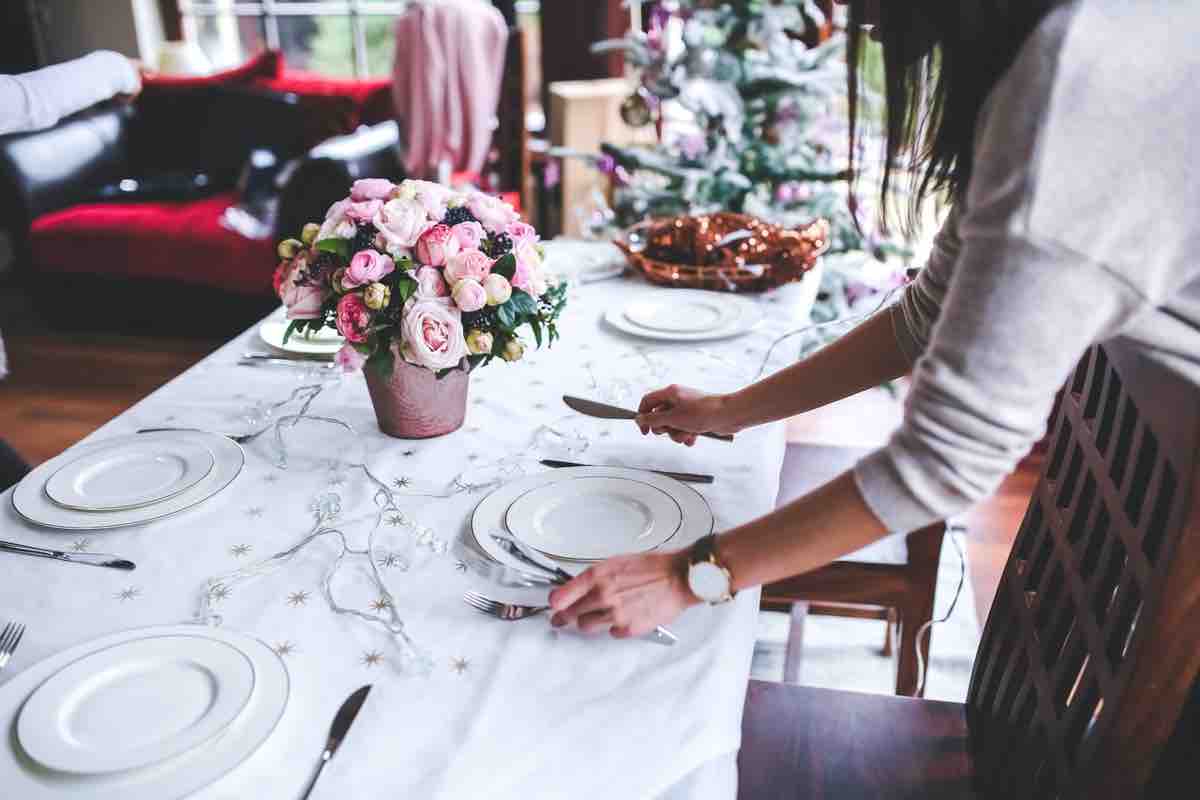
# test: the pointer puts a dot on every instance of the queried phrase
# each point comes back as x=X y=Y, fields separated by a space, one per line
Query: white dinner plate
x=594 y=518
x=130 y=474
x=490 y=513
x=22 y=777
x=686 y=315
x=684 y=312
x=325 y=342
x=106 y=711
x=30 y=501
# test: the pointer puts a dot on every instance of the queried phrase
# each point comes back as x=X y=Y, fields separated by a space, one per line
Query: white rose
x=495 y=214
x=334 y=226
x=433 y=197
x=401 y=223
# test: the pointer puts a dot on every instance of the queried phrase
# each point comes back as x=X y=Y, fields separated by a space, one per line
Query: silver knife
x=686 y=477
x=337 y=731
x=591 y=408
x=275 y=361
x=530 y=556
x=87 y=559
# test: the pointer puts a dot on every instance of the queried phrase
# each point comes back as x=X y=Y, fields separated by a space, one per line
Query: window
x=339 y=38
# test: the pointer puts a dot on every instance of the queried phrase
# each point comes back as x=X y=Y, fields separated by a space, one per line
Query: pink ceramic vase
x=414 y=404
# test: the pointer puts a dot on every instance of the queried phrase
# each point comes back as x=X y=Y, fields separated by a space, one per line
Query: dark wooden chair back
x=1093 y=642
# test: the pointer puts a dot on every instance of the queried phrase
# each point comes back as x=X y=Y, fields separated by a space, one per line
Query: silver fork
x=244 y=438
x=10 y=637
x=508 y=611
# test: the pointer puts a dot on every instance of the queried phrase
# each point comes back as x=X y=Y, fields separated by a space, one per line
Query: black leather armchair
x=89 y=156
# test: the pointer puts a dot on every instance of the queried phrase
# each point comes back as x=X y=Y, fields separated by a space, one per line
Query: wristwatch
x=707 y=577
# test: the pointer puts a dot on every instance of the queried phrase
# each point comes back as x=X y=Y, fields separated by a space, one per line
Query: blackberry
x=364 y=238
x=458 y=215
x=484 y=318
x=499 y=245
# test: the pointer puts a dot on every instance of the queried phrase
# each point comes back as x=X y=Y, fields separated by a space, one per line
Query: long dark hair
x=941 y=59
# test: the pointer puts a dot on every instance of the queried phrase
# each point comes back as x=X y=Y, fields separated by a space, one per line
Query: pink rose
x=432 y=333
x=470 y=235
x=303 y=302
x=521 y=232
x=437 y=246
x=371 y=189
x=495 y=214
x=401 y=223
x=529 y=267
x=349 y=359
x=469 y=295
x=367 y=266
x=433 y=197
x=336 y=224
x=468 y=264
x=353 y=318
x=430 y=282
x=364 y=211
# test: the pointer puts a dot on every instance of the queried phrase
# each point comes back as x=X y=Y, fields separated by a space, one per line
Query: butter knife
x=530 y=556
x=686 y=477
x=337 y=732
x=87 y=559
x=591 y=408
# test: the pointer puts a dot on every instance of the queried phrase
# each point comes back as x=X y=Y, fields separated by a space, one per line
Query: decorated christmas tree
x=749 y=100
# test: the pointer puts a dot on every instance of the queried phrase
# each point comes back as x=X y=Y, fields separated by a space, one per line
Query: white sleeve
x=41 y=98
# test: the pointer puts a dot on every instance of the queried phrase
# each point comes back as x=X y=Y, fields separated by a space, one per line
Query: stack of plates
x=322 y=344
x=580 y=515
x=147 y=714
x=128 y=480
x=686 y=315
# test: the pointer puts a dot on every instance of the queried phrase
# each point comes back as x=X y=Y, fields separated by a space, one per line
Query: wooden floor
x=64 y=386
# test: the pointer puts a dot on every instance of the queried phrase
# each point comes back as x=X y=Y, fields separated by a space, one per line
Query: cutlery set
x=10 y=637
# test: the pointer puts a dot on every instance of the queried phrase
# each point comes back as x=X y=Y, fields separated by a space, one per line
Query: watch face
x=708 y=582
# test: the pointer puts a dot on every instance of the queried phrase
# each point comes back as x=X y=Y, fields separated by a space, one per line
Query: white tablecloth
x=511 y=710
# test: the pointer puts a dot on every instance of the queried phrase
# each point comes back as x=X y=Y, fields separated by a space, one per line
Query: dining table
x=492 y=709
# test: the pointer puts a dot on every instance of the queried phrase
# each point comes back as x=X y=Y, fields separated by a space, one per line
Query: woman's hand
x=682 y=413
x=629 y=595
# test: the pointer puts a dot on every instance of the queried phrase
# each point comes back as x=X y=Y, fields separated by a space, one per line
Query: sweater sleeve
x=1013 y=324
x=41 y=98
x=913 y=317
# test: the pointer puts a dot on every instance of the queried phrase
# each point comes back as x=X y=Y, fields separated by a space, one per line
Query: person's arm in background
x=41 y=98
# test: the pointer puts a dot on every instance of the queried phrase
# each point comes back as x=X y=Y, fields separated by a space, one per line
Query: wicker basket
x=759 y=256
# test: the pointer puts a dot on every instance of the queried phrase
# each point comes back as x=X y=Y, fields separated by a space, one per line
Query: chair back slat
x=1092 y=644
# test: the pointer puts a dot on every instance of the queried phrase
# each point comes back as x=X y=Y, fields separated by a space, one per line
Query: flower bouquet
x=425 y=284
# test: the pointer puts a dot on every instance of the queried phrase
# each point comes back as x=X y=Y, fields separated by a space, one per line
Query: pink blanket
x=446 y=82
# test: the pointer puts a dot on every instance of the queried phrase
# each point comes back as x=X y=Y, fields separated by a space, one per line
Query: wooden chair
x=1085 y=683
x=893 y=580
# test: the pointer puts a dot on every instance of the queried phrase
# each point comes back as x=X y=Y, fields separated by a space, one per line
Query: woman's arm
x=41 y=98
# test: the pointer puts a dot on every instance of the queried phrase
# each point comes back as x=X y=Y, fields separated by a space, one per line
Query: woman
x=1063 y=134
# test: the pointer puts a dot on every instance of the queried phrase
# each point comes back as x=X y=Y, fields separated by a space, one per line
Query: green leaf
x=292 y=327
x=536 y=325
x=522 y=303
x=506 y=265
x=383 y=362
x=506 y=316
x=403 y=288
x=340 y=247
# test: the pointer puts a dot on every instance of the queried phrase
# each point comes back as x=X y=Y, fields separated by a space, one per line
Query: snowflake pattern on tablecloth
x=409 y=453
x=81 y=545
x=297 y=599
x=239 y=550
x=255 y=512
x=401 y=483
x=372 y=658
x=219 y=592
x=460 y=664
x=396 y=520
x=128 y=593
x=392 y=561
x=285 y=648
x=381 y=604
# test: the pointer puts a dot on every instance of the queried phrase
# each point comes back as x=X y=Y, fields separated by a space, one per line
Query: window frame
x=269 y=12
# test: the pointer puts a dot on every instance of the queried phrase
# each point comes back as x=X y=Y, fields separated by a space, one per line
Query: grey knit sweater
x=1081 y=223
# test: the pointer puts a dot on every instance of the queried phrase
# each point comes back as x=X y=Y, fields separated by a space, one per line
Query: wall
x=71 y=28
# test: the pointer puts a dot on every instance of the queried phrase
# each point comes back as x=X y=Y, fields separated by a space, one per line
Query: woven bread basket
x=724 y=251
